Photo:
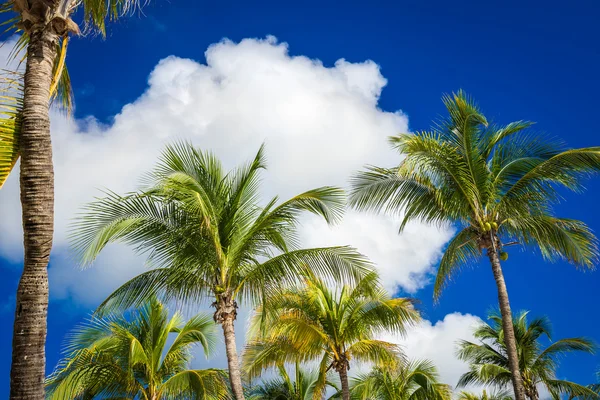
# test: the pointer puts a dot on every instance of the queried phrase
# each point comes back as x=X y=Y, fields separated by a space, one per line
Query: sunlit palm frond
x=414 y=380
x=11 y=106
x=127 y=357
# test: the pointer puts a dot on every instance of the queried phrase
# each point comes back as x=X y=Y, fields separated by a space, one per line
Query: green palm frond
x=11 y=107
x=61 y=91
x=462 y=250
x=97 y=12
x=556 y=238
x=571 y=389
x=342 y=264
x=374 y=351
x=126 y=356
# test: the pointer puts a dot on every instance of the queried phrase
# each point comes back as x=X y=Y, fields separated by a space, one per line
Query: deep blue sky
x=538 y=62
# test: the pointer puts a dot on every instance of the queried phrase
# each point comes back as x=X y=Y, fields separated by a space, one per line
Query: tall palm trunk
x=233 y=363
x=343 y=372
x=225 y=314
x=507 y=324
x=37 y=201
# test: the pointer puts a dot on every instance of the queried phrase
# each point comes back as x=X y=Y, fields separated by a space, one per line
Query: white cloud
x=436 y=341
x=320 y=123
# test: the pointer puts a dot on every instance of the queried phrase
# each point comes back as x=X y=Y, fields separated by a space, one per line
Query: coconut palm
x=334 y=326
x=497 y=184
x=415 y=380
x=537 y=365
x=284 y=388
x=495 y=395
x=44 y=27
x=206 y=235
x=145 y=356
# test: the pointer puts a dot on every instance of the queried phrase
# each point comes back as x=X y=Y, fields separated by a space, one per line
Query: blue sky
x=535 y=62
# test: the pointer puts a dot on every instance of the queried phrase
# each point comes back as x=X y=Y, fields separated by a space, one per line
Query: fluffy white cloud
x=436 y=341
x=404 y=261
x=320 y=124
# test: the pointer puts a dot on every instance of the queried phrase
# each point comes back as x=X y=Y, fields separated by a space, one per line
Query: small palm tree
x=334 y=326
x=143 y=357
x=497 y=183
x=44 y=27
x=495 y=395
x=537 y=366
x=284 y=388
x=206 y=234
x=415 y=380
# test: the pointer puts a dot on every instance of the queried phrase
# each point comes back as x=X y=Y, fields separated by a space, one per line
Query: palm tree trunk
x=343 y=371
x=507 y=324
x=37 y=201
x=233 y=363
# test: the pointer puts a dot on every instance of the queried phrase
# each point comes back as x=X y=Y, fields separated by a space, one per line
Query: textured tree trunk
x=233 y=363
x=507 y=324
x=37 y=200
x=343 y=371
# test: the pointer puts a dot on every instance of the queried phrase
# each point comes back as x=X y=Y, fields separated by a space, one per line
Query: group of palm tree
x=131 y=356
x=207 y=235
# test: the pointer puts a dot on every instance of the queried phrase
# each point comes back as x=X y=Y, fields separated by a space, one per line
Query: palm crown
x=205 y=233
x=145 y=356
x=537 y=365
x=414 y=380
x=498 y=182
x=314 y=322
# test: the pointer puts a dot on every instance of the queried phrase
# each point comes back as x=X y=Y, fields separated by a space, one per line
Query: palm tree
x=334 y=326
x=537 y=366
x=415 y=380
x=284 y=388
x=498 y=183
x=206 y=235
x=45 y=26
x=142 y=357
x=496 y=395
